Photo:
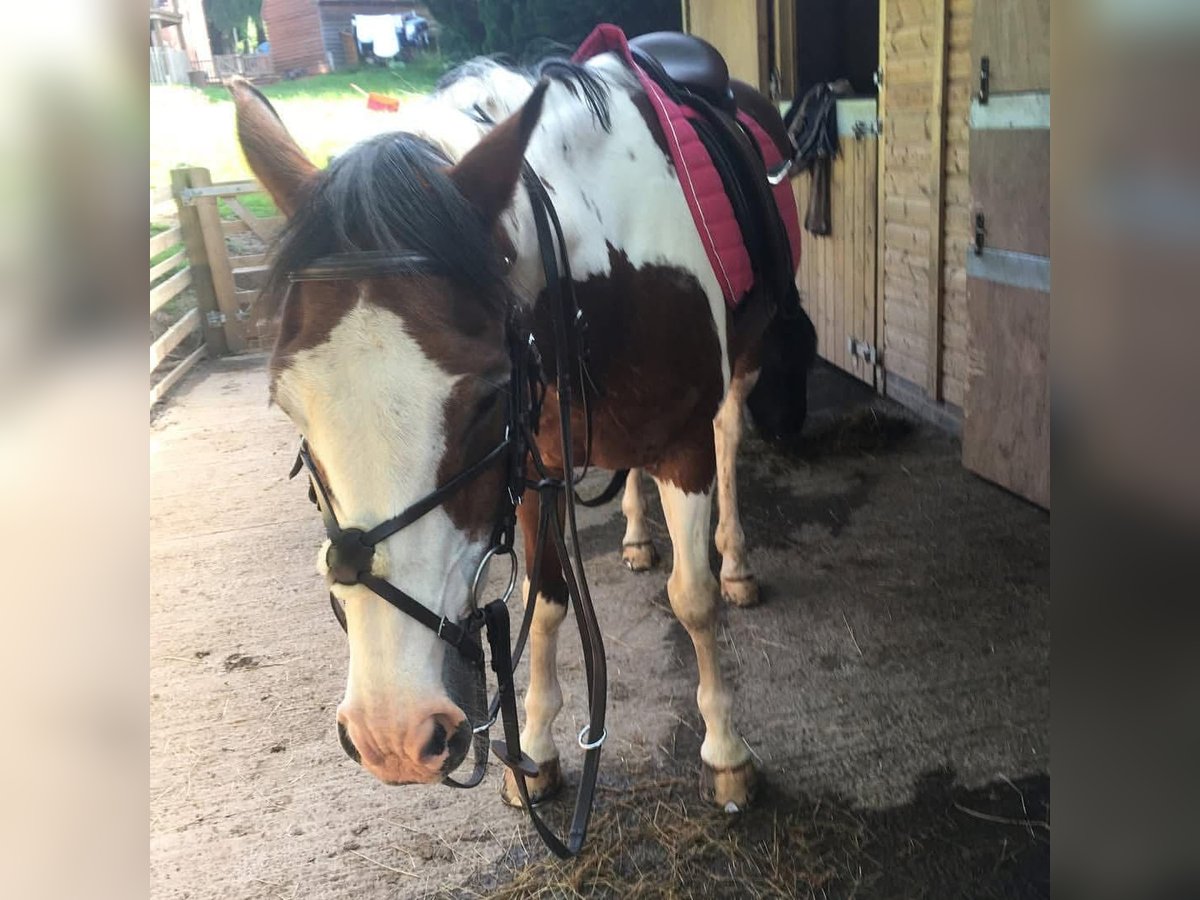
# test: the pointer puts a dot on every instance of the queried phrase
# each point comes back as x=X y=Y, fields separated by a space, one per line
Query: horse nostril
x=460 y=741
x=436 y=745
x=347 y=744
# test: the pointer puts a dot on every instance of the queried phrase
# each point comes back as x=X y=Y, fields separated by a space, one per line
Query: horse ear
x=487 y=175
x=273 y=154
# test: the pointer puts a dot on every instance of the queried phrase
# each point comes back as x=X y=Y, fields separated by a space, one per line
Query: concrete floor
x=903 y=643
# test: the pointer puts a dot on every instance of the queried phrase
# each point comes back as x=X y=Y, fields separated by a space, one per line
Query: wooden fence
x=223 y=284
x=169 y=279
x=168 y=65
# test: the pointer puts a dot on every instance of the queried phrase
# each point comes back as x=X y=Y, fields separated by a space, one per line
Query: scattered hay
x=866 y=429
x=659 y=840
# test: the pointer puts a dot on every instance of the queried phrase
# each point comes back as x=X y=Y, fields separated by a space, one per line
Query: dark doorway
x=837 y=39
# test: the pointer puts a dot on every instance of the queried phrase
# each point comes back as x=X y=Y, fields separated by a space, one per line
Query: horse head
x=398 y=380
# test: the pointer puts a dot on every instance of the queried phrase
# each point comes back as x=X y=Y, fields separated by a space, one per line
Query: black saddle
x=691 y=63
x=693 y=73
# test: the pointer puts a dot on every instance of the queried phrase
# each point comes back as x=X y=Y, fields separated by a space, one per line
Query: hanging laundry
x=380 y=32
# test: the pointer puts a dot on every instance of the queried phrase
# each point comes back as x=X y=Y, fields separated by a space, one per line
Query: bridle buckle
x=349 y=556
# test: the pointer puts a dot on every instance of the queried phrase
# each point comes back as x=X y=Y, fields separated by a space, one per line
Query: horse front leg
x=637 y=548
x=543 y=699
x=738 y=585
x=728 y=776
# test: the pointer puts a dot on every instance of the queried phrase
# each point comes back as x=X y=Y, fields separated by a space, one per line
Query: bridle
x=351 y=551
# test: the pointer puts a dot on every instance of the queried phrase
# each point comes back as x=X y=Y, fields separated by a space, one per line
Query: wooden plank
x=871 y=302
x=1011 y=187
x=827 y=298
x=193 y=242
x=882 y=144
x=173 y=337
x=169 y=289
x=160 y=390
x=762 y=19
x=902 y=237
x=850 y=205
x=167 y=265
x=865 y=207
x=218 y=262
x=225 y=189
x=1015 y=36
x=164 y=240
x=933 y=385
x=738 y=29
x=262 y=228
x=266 y=228
x=785 y=47
x=837 y=188
x=1006 y=424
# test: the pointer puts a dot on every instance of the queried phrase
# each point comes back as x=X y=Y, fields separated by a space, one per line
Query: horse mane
x=582 y=83
x=390 y=193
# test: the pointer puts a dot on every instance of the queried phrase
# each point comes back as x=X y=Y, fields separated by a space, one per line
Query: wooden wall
x=294 y=30
x=739 y=29
x=837 y=272
x=926 y=223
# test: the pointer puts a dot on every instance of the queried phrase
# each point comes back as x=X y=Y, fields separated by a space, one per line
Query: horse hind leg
x=637 y=548
x=543 y=699
x=738 y=584
x=728 y=776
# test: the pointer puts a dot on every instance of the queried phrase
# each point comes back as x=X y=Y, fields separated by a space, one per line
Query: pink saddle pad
x=701 y=183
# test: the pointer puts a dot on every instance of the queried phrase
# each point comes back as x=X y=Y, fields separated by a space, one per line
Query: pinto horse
x=397 y=379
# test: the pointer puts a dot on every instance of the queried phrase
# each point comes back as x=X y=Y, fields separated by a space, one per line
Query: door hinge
x=863 y=350
x=862 y=128
x=985 y=79
x=980 y=233
x=215 y=319
x=877 y=77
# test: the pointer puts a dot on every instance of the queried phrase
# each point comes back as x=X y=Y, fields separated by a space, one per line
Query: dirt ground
x=894 y=685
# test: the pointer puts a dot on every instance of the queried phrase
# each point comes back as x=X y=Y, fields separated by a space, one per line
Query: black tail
x=779 y=402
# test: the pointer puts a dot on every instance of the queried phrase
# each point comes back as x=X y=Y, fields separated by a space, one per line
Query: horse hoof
x=740 y=591
x=639 y=557
x=544 y=787
x=732 y=790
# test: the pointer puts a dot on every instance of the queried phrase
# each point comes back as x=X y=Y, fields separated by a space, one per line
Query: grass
x=418 y=77
x=195 y=126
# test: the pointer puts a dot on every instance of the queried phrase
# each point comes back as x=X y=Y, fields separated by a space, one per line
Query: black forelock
x=391 y=194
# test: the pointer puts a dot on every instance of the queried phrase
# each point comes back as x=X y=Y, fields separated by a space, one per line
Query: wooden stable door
x=1006 y=413
x=837 y=271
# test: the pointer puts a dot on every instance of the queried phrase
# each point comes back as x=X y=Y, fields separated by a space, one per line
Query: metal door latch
x=864 y=350
x=985 y=79
x=215 y=319
x=980 y=233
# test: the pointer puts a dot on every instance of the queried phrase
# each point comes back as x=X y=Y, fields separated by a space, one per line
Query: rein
x=352 y=550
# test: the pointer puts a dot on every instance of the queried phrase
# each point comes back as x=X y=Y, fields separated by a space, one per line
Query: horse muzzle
x=419 y=752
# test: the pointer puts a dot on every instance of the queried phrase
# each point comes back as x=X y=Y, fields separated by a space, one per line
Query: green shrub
x=520 y=28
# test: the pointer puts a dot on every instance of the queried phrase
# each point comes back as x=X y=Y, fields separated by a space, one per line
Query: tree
x=227 y=20
x=517 y=27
